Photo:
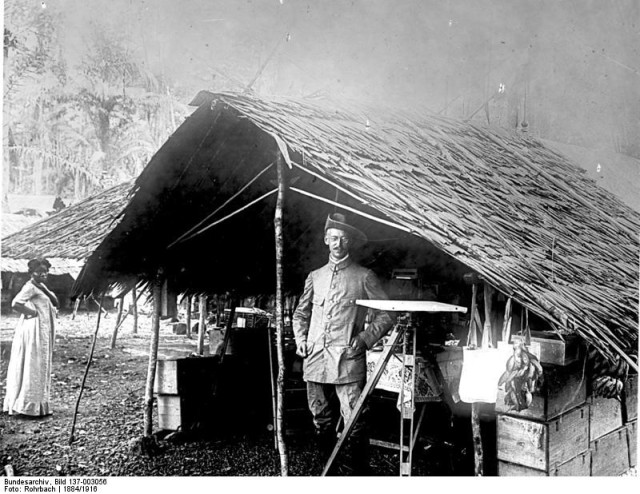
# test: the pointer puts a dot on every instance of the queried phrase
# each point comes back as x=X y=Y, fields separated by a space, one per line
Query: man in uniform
x=330 y=337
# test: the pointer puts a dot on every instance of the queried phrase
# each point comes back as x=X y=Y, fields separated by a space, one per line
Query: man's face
x=338 y=242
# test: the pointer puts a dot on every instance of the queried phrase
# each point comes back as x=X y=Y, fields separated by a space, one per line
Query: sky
x=569 y=67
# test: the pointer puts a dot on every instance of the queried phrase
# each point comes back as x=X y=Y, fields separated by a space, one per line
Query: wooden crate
x=185 y=376
x=553 y=350
x=541 y=445
x=631 y=398
x=632 y=442
x=564 y=388
x=610 y=454
x=186 y=413
x=605 y=415
x=579 y=466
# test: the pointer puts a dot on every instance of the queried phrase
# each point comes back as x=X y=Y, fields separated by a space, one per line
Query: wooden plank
x=610 y=454
x=579 y=466
x=541 y=444
x=166 y=381
x=632 y=442
x=169 y=412
x=564 y=388
x=605 y=416
x=631 y=398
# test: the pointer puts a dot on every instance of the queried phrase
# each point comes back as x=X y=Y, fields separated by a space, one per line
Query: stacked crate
x=184 y=390
x=564 y=432
x=551 y=437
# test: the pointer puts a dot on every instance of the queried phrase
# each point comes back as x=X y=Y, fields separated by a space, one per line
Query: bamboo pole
x=284 y=467
x=134 y=295
x=274 y=406
x=202 y=307
x=86 y=372
x=153 y=355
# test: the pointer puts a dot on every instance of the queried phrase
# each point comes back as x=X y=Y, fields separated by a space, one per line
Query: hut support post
x=202 y=308
x=86 y=371
x=153 y=355
x=134 y=308
x=189 y=316
x=119 y=319
x=284 y=468
x=478 y=455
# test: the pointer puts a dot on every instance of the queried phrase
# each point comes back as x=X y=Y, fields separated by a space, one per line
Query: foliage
x=75 y=130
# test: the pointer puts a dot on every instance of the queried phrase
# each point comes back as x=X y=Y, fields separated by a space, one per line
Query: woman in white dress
x=29 y=373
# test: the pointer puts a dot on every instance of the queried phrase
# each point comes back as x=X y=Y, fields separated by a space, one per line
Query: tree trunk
x=201 y=323
x=153 y=356
x=284 y=468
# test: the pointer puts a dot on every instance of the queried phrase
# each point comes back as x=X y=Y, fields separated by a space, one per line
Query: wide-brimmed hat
x=339 y=221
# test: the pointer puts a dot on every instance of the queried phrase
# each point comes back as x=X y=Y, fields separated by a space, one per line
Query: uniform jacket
x=327 y=318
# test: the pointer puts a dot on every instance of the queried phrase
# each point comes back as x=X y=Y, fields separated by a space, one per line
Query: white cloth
x=29 y=373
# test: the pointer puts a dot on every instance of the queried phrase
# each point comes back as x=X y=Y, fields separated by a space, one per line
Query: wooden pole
x=189 y=316
x=119 y=319
x=284 y=467
x=478 y=455
x=153 y=355
x=134 y=295
x=274 y=406
x=202 y=307
x=75 y=308
x=86 y=372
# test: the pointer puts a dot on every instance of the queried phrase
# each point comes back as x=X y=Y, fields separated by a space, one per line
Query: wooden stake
x=284 y=467
x=202 y=307
x=86 y=371
x=75 y=308
x=153 y=355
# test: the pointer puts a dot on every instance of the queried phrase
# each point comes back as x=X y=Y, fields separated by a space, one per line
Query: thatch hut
x=66 y=238
x=508 y=208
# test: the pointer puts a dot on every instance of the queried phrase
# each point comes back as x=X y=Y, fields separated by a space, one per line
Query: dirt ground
x=111 y=414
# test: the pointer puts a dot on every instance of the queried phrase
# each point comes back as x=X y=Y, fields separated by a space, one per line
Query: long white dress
x=29 y=373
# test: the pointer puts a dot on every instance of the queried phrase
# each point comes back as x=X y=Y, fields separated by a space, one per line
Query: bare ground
x=111 y=411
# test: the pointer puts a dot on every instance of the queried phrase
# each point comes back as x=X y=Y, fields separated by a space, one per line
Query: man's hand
x=358 y=344
x=302 y=349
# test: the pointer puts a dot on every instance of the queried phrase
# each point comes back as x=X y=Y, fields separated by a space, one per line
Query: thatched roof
x=66 y=238
x=519 y=214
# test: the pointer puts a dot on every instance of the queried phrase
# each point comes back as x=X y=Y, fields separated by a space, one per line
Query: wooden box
x=605 y=415
x=185 y=376
x=610 y=454
x=632 y=440
x=542 y=445
x=551 y=349
x=184 y=413
x=579 y=466
x=631 y=398
x=564 y=388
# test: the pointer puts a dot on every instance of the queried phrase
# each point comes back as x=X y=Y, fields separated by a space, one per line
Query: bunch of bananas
x=607 y=386
x=607 y=375
x=521 y=379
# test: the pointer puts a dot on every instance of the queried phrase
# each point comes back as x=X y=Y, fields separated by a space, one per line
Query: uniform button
x=328 y=316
